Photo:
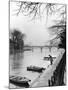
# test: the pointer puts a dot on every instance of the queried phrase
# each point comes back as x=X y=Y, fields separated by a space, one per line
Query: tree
x=17 y=40
x=34 y=9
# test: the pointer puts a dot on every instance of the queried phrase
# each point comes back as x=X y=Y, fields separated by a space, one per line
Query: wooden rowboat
x=20 y=81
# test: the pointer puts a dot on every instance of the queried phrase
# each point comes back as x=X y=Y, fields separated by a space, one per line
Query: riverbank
x=42 y=79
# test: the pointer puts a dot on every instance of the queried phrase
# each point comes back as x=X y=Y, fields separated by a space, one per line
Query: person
x=51 y=59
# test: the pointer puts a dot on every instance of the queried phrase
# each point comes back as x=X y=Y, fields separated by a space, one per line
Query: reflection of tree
x=16 y=40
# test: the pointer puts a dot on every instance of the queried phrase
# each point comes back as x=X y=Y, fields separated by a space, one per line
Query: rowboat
x=35 y=69
x=19 y=81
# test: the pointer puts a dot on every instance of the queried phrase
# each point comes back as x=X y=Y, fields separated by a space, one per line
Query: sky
x=36 y=31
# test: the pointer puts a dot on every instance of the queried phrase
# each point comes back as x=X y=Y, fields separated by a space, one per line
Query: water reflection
x=16 y=61
x=20 y=61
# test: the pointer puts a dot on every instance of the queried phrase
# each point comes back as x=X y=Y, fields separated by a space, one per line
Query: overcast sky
x=36 y=30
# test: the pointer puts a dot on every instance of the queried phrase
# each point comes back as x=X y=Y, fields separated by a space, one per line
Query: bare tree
x=34 y=9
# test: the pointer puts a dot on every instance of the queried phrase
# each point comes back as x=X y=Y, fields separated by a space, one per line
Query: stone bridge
x=41 y=47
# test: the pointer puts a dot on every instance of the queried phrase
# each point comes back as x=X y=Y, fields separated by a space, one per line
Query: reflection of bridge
x=41 y=47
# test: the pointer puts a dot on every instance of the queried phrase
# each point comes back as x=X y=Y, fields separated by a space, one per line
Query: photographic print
x=37 y=44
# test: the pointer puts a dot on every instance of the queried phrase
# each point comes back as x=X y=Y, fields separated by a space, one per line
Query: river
x=20 y=61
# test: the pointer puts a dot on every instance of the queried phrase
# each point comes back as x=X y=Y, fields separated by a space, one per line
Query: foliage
x=34 y=9
x=17 y=40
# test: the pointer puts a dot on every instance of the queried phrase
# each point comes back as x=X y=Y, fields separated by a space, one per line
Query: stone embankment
x=49 y=76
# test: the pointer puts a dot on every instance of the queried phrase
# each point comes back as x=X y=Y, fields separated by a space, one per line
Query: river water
x=20 y=61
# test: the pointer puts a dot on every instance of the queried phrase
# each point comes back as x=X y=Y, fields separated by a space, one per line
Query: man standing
x=51 y=59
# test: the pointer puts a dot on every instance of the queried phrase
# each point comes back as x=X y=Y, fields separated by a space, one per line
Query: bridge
x=41 y=47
